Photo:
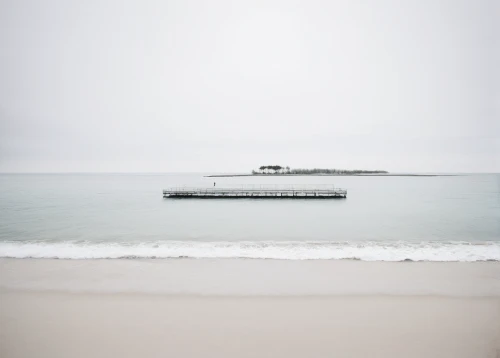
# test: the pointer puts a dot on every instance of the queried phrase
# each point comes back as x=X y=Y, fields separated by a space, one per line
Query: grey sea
x=396 y=218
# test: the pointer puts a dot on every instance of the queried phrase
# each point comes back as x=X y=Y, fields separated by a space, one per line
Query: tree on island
x=270 y=169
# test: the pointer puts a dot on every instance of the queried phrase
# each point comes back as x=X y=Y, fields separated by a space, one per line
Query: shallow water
x=442 y=218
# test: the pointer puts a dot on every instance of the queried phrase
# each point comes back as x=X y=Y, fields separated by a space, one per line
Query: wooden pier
x=253 y=191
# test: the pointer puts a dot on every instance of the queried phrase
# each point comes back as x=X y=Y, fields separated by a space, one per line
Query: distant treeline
x=278 y=169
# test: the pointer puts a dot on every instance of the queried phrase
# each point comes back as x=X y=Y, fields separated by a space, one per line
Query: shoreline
x=255 y=277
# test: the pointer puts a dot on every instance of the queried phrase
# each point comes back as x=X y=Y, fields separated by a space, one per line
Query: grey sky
x=162 y=86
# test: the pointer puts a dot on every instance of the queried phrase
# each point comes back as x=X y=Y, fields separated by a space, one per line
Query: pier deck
x=276 y=192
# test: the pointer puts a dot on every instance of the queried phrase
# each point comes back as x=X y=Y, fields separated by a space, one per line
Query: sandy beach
x=258 y=308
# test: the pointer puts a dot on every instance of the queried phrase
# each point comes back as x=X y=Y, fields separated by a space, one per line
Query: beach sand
x=248 y=308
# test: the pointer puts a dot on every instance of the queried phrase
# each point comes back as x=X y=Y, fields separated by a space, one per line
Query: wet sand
x=248 y=308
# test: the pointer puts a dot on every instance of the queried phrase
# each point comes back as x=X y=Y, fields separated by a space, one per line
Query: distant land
x=278 y=170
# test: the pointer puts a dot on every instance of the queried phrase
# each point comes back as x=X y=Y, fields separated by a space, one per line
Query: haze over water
x=442 y=218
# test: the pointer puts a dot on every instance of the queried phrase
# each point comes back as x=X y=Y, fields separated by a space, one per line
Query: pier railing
x=265 y=187
x=290 y=190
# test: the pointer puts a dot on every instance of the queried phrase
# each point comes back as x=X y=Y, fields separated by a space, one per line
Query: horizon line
x=224 y=172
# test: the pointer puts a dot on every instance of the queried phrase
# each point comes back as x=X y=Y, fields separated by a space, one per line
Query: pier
x=256 y=191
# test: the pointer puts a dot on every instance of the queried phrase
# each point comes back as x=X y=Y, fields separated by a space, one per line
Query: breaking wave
x=292 y=250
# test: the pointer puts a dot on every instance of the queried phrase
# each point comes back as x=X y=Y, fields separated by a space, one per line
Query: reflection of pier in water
x=259 y=191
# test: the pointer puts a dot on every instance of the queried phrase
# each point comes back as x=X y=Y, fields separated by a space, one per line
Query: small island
x=279 y=170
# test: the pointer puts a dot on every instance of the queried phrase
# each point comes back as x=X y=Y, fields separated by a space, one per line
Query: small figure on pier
x=214 y=183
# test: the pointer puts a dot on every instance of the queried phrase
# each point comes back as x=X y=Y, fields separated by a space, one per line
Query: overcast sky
x=165 y=86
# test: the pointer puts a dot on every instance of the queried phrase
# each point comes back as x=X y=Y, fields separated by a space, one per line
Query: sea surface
x=104 y=216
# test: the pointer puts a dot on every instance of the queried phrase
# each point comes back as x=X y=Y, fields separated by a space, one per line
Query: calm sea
x=79 y=216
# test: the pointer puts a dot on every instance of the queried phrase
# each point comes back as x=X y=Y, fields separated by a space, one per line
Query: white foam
x=365 y=251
